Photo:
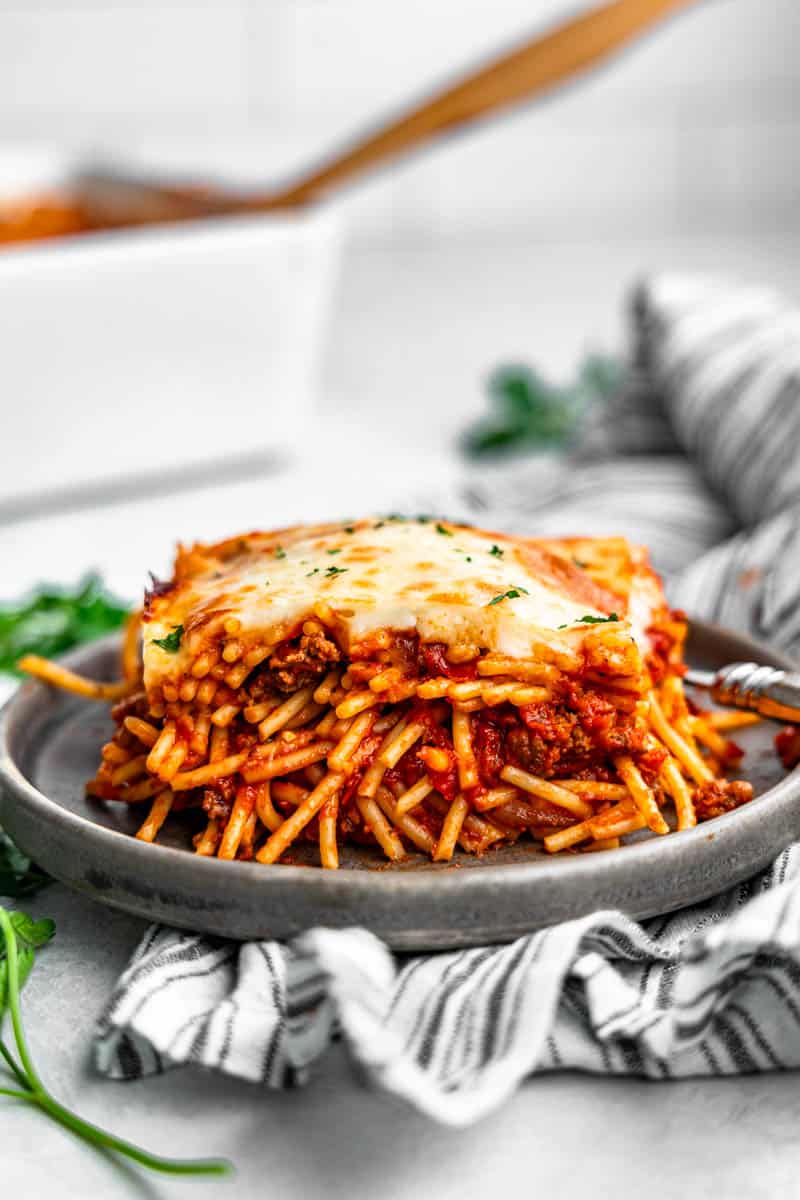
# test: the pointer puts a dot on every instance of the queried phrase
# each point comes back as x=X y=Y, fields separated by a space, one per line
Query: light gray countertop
x=414 y=333
x=569 y=1136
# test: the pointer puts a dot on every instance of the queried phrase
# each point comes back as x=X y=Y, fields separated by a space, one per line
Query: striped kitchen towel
x=713 y=989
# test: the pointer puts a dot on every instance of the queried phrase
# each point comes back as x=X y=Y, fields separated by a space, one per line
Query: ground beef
x=131 y=706
x=297 y=663
x=561 y=746
x=562 y=739
x=531 y=752
x=488 y=739
x=787 y=745
x=720 y=796
x=218 y=800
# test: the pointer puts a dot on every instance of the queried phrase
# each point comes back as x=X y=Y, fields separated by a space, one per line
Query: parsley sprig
x=53 y=620
x=19 y=877
x=21 y=938
x=528 y=412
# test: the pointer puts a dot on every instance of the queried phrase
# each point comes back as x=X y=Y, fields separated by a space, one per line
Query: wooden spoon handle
x=535 y=67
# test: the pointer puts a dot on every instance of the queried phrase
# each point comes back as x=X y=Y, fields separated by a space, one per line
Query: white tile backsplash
x=85 y=65
x=697 y=127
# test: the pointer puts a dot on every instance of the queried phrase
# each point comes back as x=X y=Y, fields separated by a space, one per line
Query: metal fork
x=765 y=690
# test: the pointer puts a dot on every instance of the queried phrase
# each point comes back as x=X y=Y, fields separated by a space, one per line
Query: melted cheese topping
x=449 y=583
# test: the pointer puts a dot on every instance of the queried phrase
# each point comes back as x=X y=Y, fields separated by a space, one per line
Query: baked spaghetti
x=409 y=683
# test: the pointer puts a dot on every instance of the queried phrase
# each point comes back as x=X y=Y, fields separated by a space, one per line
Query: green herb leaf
x=53 y=620
x=170 y=643
x=19 y=877
x=588 y=620
x=29 y=936
x=337 y=550
x=497 y=552
x=528 y=412
x=32 y=933
x=280 y=552
x=331 y=571
x=511 y=594
x=20 y=936
x=444 y=532
x=314 y=572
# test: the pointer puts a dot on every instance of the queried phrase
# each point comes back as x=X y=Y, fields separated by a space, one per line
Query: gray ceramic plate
x=49 y=745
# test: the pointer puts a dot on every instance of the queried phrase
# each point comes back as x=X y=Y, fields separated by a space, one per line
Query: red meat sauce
x=787 y=745
x=662 y=643
x=720 y=796
x=302 y=659
x=575 y=735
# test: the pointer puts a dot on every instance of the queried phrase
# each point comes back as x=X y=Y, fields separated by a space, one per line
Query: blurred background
x=515 y=241
x=692 y=131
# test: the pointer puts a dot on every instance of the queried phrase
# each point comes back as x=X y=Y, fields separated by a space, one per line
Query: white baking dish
x=134 y=353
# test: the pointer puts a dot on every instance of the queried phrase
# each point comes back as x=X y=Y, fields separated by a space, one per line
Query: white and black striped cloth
x=701 y=460
x=714 y=989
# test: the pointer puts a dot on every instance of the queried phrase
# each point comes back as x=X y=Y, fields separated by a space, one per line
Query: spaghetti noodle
x=414 y=685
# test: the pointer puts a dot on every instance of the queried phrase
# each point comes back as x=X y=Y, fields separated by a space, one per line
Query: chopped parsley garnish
x=314 y=572
x=497 y=552
x=444 y=532
x=512 y=594
x=349 y=529
x=587 y=620
x=280 y=552
x=338 y=550
x=170 y=643
x=331 y=571
x=467 y=557
x=422 y=519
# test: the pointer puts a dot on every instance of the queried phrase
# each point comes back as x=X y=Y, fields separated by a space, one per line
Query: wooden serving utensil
x=535 y=67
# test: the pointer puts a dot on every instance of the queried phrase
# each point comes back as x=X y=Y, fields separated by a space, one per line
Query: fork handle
x=765 y=690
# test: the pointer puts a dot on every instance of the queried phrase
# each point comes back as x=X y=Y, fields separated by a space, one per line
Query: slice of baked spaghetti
x=410 y=683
